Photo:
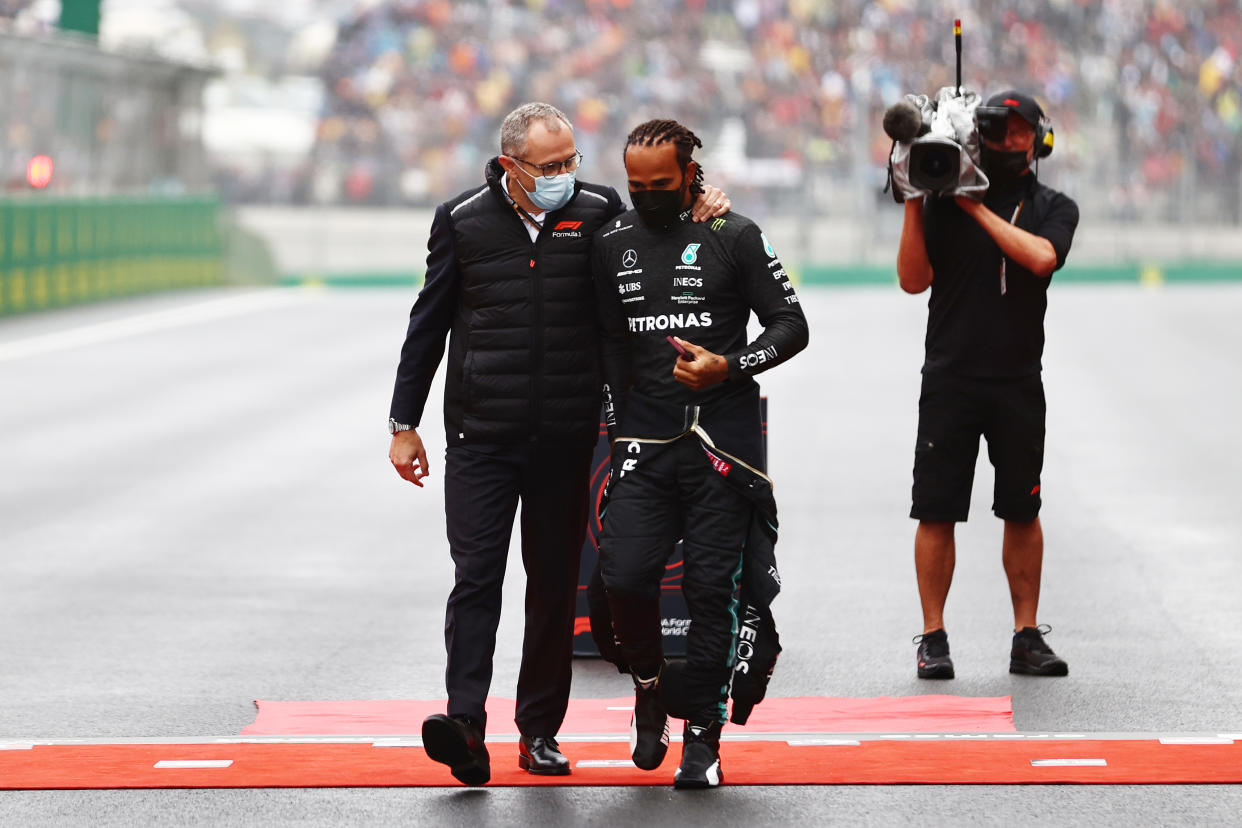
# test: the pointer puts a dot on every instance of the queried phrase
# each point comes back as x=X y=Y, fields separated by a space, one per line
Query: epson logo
x=687 y=281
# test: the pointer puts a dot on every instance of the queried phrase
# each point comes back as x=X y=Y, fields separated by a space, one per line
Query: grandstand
x=394 y=105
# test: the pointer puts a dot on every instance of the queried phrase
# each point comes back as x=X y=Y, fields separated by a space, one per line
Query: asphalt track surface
x=198 y=511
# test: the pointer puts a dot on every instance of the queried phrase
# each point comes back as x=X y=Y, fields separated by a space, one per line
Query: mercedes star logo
x=629 y=258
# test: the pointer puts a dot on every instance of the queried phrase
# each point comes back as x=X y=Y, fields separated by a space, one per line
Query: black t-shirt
x=980 y=324
x=699 y=282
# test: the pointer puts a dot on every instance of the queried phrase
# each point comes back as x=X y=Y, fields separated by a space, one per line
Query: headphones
x=992 y=121
x=1043 y=137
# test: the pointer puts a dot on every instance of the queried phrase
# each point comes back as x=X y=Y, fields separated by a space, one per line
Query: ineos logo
x=629 y=258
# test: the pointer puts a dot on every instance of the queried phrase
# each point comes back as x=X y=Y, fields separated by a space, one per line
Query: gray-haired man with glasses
x=509 y=282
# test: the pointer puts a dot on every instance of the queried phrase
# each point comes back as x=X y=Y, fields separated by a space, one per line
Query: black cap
x=1024 y=105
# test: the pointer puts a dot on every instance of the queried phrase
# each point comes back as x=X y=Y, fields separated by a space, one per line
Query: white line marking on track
x=1069 y=763
x=604 y=763
x=818 y=742
x=735 y=735
x=148 y=322
x=189 y=764
x=385 y=743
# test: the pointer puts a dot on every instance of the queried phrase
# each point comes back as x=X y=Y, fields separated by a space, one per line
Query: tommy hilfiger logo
x=718 y=463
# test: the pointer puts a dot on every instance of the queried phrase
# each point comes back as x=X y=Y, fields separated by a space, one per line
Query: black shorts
x=953 y=413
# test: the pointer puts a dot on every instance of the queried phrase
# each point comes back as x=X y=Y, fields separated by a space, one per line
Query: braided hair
x=654 y=132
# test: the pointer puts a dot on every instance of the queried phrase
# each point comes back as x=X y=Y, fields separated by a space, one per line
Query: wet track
x=197 y=511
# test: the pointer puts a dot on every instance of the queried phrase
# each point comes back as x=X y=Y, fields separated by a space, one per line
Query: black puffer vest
x=523 y=358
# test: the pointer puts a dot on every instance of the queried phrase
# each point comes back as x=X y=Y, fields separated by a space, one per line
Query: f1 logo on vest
x=567 y=225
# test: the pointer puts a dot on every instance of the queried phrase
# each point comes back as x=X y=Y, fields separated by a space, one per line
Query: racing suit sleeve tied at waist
x=758 y=643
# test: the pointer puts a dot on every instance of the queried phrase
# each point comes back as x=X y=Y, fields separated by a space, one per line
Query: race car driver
x=683 y=413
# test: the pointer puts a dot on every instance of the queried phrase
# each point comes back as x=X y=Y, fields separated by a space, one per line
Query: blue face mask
x=551 y=193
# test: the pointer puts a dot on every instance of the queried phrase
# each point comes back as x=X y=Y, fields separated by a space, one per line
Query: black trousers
x=482 y=487
x=662 y=493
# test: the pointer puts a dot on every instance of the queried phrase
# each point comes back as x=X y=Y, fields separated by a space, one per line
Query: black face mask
x=1003 y=169
x=657 y=208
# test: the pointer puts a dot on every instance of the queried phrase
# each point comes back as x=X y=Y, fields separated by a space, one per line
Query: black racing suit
x=673 y=448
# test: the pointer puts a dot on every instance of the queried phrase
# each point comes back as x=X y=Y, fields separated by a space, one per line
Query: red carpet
x=798 y=741
x=914 y=714
x=940 y=760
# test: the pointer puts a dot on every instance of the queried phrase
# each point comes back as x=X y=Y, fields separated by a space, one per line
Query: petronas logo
x=767 y=246
x=691 y=254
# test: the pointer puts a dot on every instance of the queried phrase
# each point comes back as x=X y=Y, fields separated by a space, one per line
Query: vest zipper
x=536 y=338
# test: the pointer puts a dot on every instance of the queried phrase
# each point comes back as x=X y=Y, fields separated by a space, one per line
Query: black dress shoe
x=457 y=741
x=542 y=755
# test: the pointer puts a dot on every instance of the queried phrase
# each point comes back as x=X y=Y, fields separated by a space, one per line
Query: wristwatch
x=394 y=426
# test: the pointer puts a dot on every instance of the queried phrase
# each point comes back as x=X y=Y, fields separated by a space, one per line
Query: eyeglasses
x=555 y=167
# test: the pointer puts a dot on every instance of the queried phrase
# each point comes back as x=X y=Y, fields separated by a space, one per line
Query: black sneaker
x=700 y=758
x=1030 y=656
x=934 y=661
x=457 y=741
x=648 y=725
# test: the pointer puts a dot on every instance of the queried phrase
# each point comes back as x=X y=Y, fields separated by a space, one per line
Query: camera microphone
x=904 y=122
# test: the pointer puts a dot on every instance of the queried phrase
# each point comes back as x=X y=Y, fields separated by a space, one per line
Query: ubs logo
x=629 y=258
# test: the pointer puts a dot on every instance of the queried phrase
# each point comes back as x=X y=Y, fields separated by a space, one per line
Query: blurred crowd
x=1144 y=94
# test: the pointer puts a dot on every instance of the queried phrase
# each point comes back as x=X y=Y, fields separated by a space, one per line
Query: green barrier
x=840 y=276
x=1141 y=273
x=57 y=252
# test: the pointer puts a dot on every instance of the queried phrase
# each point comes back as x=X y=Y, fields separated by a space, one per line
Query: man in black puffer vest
x=509 y=281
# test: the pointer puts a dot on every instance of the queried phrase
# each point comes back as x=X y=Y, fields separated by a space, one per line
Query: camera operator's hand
x=700 y=368
x=1035 y=253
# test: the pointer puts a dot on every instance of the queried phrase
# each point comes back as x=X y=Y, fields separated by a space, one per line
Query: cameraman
x=988 y=264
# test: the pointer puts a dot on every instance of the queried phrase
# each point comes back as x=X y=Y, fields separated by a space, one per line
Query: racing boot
x=649 y=724
x=700 y=757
